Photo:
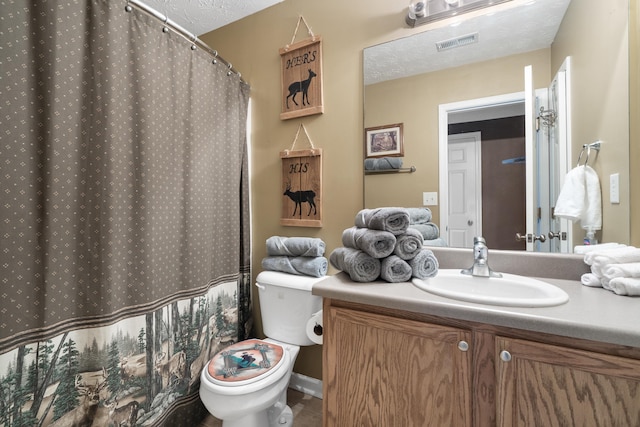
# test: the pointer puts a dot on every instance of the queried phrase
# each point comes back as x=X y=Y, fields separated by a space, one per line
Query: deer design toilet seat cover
x=245 y=362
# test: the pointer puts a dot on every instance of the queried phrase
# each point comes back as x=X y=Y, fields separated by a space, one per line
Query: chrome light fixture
x=426 y=11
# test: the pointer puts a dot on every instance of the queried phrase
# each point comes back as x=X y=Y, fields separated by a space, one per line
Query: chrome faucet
x=480 y=265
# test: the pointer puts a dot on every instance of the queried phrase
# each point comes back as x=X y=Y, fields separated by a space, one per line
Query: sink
x=509 y=290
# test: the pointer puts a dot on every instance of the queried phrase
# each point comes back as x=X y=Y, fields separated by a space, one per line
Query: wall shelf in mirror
x=388 y=171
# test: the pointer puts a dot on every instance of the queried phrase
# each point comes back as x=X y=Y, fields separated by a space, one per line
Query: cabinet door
x=383 y=371
x=546 y=385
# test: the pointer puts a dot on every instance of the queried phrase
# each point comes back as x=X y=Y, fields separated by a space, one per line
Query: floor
x=307 y=411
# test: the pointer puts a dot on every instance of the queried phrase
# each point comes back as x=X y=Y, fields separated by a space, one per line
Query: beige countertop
x=591 y=313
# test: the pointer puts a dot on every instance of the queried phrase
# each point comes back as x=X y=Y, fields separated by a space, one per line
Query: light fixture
x=425 y=11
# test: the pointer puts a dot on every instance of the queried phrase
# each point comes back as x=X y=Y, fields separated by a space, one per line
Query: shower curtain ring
x=215 y=57
x=165 y=29
x=128 y=8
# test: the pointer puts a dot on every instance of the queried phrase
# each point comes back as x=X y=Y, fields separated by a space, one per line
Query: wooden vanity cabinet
x=384 y=367
x=387 y=371
x=548 y=385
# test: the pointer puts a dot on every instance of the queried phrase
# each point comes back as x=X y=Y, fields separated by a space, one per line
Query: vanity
x=395 y=355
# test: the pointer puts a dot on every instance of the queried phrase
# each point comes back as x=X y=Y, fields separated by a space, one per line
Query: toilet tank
x=286 y=305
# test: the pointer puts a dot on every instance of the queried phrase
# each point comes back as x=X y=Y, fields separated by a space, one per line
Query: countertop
x=594 y=314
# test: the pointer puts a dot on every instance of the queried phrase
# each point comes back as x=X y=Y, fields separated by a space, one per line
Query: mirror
x=493 y=65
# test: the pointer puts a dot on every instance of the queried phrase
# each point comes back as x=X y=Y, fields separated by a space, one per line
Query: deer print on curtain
x=124 y=264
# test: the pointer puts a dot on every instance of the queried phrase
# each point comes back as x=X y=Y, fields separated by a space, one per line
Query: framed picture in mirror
x=384 y=141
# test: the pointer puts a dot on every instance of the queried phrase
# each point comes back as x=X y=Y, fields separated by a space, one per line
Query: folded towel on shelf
x=626 y=286
x=408 y=244
x=360 y=266
x=440 y=242
x=429 y=231
x=295 y=246
x=377 y=243
x=424 y=264
x=382 y=163
x=393 y=220
x=394 y=269
x=591 y=280
x=303 y=266
x=580 y=198
x=419 y=215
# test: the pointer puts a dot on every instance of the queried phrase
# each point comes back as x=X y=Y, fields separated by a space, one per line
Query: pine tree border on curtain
x=125 y=260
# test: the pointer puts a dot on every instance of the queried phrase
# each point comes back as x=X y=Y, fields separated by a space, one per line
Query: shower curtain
x=124 y=216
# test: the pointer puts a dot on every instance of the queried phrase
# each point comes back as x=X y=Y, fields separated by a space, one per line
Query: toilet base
x=270 y=417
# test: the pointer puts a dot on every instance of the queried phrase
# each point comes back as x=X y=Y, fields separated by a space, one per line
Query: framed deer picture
x=384 y=141
x=302 y=93
x=302 y=188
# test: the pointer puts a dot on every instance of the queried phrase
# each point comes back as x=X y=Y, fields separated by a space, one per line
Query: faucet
x=480 y=267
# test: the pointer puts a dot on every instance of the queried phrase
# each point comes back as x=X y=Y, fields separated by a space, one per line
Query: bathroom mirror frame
x=381 y=190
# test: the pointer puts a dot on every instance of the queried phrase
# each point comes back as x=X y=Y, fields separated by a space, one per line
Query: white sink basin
x=508 y=290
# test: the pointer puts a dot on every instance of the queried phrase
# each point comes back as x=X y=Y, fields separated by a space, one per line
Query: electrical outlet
x=614 y=188
x=429 y=199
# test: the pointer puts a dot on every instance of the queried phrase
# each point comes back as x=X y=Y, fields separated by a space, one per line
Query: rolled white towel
x=591 y=280
x=584 y=249
x=626 y=286
x=601 y=260
x=630 y=269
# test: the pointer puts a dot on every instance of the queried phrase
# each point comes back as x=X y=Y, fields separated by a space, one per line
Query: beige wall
x=634 y=106
x=251 y=45
x=600 y=98
x=414 y=102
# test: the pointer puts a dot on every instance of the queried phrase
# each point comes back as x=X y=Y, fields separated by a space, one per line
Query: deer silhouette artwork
x=302 y=86
x=300 y=197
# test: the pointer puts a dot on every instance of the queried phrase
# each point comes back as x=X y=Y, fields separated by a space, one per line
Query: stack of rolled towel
x=615 y=268
x=296 y=255
x=381 y=245
x=420 y=220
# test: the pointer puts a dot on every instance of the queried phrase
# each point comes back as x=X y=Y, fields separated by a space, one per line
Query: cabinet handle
x=505 y=356
x=463 y=345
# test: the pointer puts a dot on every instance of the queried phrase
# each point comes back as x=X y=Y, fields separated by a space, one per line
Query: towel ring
x=588 y=147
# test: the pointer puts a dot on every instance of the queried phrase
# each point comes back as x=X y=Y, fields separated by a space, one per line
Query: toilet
x=245 y=384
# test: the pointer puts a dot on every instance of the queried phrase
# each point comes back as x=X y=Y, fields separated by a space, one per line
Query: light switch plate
x=429 y=198
x=614 y=188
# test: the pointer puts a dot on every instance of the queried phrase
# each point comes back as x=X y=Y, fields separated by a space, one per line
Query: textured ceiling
x=201 y=16
x=531 y=25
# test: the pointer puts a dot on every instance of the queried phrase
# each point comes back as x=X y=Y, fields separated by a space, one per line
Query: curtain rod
x=185 y=34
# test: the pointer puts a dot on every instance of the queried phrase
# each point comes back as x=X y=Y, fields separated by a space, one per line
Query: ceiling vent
x=457 y=42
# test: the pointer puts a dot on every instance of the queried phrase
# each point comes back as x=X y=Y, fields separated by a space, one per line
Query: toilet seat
x=247 y=362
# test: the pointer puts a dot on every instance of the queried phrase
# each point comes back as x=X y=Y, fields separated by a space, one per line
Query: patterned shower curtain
x=124 y=216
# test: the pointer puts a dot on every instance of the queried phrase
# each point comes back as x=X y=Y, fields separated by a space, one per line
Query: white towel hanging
x=580 y=198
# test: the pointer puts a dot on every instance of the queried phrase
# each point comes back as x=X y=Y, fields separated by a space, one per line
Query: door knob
x=470 y=222
x=531 y=237
x=553 y=235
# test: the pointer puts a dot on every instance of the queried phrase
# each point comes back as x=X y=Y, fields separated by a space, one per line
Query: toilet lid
x=246 y=362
